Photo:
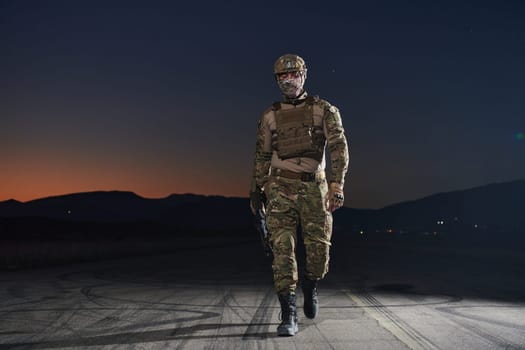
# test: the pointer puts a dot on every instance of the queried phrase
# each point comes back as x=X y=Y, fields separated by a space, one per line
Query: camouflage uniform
x=299 y=200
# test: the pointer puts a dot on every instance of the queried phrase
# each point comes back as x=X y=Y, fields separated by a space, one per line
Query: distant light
x=476 y=225
x=69 y=211
x=362 y=232
x=520 y=136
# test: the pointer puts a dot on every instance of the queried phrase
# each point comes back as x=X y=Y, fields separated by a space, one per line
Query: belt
x=297 y=176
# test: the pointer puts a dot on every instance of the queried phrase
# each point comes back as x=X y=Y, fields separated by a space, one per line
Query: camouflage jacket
x=266 y=158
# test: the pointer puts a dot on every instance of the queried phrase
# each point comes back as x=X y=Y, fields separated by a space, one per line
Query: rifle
x=262 y=229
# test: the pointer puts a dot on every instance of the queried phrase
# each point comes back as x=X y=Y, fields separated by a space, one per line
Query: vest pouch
x=296 y=135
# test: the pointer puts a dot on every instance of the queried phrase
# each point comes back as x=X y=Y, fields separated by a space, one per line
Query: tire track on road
x=260 y=322
x=390 y=321
x=466 y=323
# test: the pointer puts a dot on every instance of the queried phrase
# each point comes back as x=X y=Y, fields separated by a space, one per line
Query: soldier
x=289 y=170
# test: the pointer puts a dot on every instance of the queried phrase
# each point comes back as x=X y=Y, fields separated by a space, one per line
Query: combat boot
x=311 y=304
x=288 y=324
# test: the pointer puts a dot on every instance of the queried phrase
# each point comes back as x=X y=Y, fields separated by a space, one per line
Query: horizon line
x=247 y=197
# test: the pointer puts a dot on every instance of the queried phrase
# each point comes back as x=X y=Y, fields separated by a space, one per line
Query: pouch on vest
x=296 y=135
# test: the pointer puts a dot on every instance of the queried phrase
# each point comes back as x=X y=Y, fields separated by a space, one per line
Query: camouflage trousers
x=292 y=203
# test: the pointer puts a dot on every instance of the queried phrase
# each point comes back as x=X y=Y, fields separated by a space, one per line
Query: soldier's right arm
x=263 y=154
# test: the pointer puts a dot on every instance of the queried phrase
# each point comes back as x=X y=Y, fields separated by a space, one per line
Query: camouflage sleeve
x=337 y=144
x=263 y=156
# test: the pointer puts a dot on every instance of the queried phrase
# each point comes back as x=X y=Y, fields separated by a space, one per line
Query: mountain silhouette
x=495 y=206
x=125 y=211
x=499 y=206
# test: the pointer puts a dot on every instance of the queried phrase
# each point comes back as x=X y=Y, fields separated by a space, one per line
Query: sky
x=159 y=97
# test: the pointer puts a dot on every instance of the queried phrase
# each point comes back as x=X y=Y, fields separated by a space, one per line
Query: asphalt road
x=221 y=298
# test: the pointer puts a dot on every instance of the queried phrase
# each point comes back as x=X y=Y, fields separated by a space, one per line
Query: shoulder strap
x=311 y=99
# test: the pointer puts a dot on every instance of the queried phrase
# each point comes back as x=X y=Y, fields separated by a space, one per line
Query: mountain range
x=498 y=206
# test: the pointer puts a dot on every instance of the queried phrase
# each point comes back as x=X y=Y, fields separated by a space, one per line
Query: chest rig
x=296 y=134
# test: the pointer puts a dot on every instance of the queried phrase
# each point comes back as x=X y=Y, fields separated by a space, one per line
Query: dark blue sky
x=159 y=98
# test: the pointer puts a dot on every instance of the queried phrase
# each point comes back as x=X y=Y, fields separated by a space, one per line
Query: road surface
x=221 y=298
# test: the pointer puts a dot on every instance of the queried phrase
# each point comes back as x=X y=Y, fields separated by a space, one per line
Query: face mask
x=291 y=86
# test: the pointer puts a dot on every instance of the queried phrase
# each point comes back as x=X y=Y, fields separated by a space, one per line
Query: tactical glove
x=335 y=197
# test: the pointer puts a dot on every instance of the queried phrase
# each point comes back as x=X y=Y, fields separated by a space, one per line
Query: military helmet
x=289 y=63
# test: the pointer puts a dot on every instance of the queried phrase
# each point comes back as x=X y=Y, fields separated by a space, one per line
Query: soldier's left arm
x=337 y=145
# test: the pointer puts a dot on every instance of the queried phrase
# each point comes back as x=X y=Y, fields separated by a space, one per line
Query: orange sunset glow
x=43 y=178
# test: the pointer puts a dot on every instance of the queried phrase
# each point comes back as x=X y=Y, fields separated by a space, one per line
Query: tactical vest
x=296 y=135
